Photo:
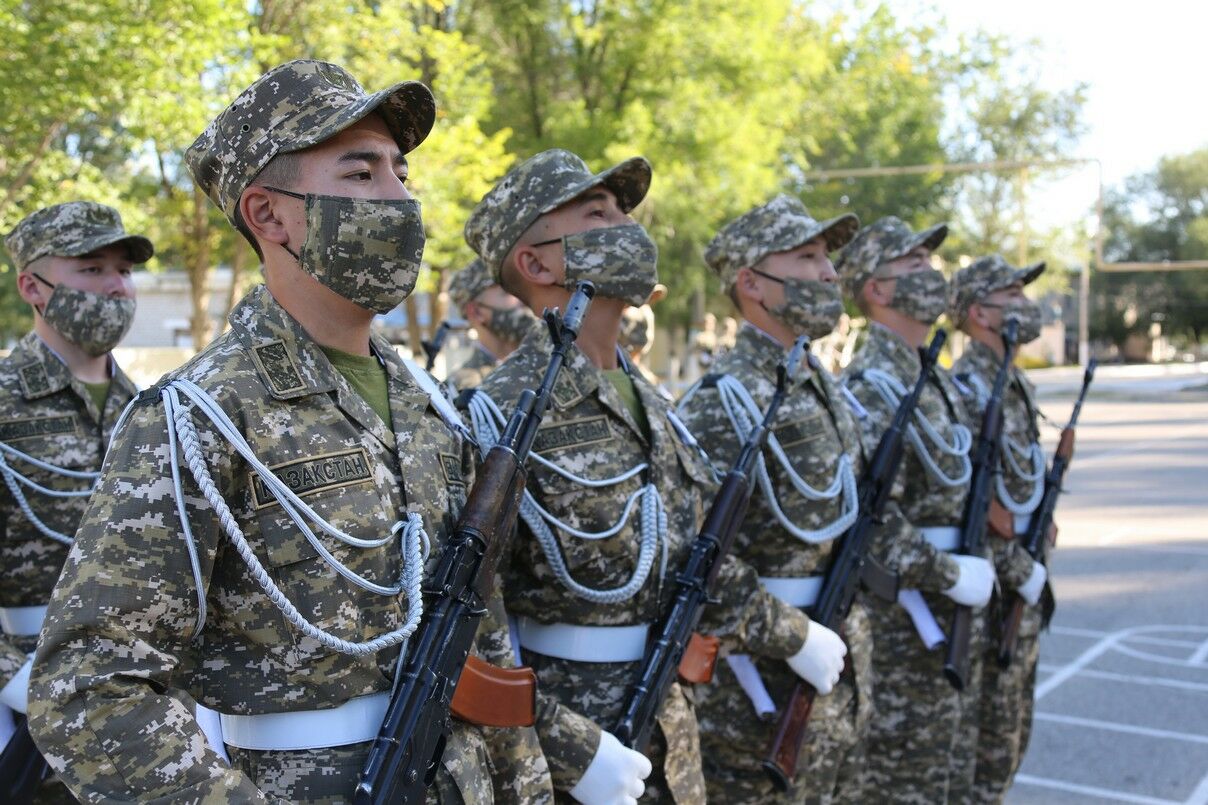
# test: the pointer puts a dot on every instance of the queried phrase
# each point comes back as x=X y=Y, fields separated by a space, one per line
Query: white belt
x=567 y=641
x=943 y=537
x=1022 y=523
x=22 y=621
x=355 y=721
x=800 y=591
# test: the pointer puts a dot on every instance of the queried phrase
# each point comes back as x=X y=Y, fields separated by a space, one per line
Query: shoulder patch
x=314 y=474
x=576 y=433
x=12 y=430
x=34 y=380
x=566 y=393
x=278 y=366
x=450 y=465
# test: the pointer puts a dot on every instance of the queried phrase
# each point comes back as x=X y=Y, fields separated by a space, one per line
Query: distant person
x=498 y=319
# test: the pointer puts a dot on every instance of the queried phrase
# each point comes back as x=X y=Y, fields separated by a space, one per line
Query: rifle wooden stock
x=696 y=666
x=490 y=696
x=781 y=761
x=850 y=569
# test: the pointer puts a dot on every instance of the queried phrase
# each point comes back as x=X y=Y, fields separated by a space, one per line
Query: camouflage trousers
x=964 y=753
x=329 y=776
x=1006 y=711
x=919 y=719
x=827 y=769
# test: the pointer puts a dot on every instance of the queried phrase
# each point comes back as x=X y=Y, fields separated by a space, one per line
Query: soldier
x=773 y=263
x=615 y=489
x=256 y=541
x=61 y=392
x=637 y=339
x=499 y=319
x=984 y=295
x=914 y=754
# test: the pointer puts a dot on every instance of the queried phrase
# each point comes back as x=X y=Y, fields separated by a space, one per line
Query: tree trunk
x=415 y=335
x=199 y=270
x=235 y=291
x=31 y=164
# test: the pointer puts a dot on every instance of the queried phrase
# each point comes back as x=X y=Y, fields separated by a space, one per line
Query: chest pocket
x=339 y=485
x=59 y=439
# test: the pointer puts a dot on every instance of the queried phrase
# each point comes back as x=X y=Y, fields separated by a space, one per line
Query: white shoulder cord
x=486 y=419
x=14 y=480
x=1010 y=449
x=181 y=429
x=743 y=412
x=892 y=391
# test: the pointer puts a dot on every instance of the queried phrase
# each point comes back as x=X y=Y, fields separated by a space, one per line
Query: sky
x=1144 y=66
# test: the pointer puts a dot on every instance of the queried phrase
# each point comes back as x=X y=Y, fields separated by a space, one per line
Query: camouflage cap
x=782 y=224
x=879 y=243
x=982 y=277
x=71 y=230
x=469 y=283
x=539 y=185
x=292 y=107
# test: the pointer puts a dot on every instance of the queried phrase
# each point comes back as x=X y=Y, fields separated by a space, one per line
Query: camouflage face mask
x=1028 y=314
x=622 y=261
x=510 y=323
x=922 y=295
x=93 y=322
x=811 y=307
x=366 y=250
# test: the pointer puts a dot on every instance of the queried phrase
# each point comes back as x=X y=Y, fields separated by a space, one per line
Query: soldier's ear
x=261 y=211
x=878 y=292
x=533 y=269
x=33 y=292
x=747 y=286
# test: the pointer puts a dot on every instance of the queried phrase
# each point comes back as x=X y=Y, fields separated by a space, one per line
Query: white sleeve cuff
x=16 y=693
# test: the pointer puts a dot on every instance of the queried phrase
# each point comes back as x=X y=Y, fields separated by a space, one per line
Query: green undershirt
x=99 y=392
x=623 y=383
x=366 y=376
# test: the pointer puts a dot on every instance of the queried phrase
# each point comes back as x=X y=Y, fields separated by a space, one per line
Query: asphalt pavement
x=1122 y=691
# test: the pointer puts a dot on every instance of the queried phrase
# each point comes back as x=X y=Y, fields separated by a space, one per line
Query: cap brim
x=139 y=248
x=838 y=231
x=408 y=109
x=629 y=181
x=931 y=238
x=1026 y=276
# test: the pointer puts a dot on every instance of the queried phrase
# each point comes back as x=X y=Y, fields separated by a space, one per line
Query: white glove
x=614 y=776
x=16 y=693
x=975 y=583
x=1031 y=589
x=820 y=660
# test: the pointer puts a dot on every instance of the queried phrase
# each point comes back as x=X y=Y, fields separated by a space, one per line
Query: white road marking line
x=1129 y=729
x=1071 y=669
x=1190 y=550
x=1200 y=654
x=1115 y=534
x=1137 y=654
x=1136 y=638
x=1200 y=795
x=1091 y=791
x=1154 y=681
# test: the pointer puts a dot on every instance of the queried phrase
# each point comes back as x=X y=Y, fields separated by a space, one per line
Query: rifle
x=1036 y=543
x=432 y=348
x=22 y=767
x=695 y=583
x=977 y=505
x=406 y=754
x=850 y=568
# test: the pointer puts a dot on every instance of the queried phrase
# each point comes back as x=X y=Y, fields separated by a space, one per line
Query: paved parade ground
x=1122 y=694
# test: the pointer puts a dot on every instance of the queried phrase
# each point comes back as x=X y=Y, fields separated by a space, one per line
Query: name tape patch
x=576 y=433
x=13 y=429
x=311 y=475
x=803 y=430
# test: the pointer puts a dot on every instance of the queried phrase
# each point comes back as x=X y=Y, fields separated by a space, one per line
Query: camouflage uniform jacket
x=589 y=431
x=471 y=373
x=976 y=369
x=815 y=427
x=48 y=414
x=121 y=650
x=917 y=501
